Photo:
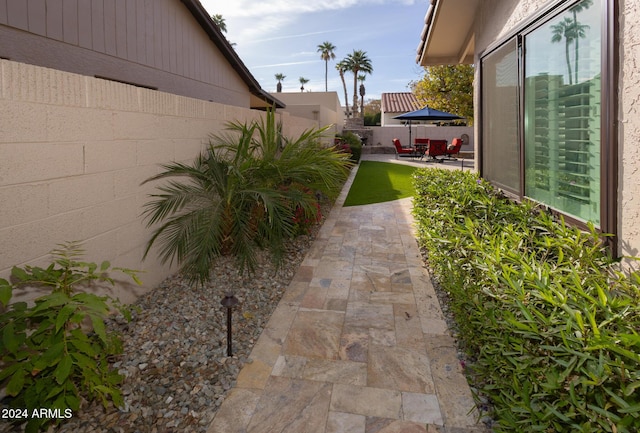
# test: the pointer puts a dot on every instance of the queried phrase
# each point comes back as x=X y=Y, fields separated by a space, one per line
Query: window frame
x=609 y=103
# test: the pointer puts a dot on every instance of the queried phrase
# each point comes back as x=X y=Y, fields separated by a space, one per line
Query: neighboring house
x=94 y=96
x=395 y=104
x=321 y=107
x=167 y=45
x=557 y=85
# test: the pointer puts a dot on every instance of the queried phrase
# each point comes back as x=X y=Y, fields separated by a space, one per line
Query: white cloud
x=253 y=21
x=285 y=8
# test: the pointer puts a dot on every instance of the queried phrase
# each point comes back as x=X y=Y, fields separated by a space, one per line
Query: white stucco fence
x=383 y=135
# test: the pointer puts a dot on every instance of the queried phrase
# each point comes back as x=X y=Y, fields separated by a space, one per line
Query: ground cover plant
x=55 y=354
x=549 y=317
x=377 y=182
x=251 y=189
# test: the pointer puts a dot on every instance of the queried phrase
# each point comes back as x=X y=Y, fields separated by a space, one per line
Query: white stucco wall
x=73 y=152
x=628 y=123
x=383 y=135
x=495 y=19
x=321 y=107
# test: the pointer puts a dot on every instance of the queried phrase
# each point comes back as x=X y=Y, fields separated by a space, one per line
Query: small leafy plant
x=56 y=352
x=550 y=318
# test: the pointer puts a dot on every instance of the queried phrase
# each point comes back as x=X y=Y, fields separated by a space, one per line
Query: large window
x=501 y=153
x=547 y=78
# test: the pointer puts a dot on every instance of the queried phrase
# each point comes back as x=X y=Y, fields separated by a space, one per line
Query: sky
x=282 y=36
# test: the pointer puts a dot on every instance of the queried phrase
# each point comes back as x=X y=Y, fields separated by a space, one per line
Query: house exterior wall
x=387 y=119
x=496 y=19
x=73 y=153
x=321 y=107
x=156 y=44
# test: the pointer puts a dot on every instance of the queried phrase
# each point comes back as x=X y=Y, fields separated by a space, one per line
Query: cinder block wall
x=73 y=153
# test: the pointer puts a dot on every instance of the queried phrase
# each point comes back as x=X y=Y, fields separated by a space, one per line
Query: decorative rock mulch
x=175 y=361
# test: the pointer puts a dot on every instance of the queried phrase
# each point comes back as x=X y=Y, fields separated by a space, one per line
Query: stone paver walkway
x=358 y=344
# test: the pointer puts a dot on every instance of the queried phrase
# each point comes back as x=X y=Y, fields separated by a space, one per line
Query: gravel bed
x=175 y=361
x=177 y=372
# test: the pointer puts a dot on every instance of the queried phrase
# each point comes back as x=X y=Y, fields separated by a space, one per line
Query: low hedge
x=549 y=318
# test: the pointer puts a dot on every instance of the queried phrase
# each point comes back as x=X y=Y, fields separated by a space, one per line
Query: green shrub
x=551 y=321
x=240 y=195
x=55 y=353
x=354 y=143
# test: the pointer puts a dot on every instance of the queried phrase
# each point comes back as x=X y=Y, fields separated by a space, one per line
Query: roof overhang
x=259 y=98
x=448 y=36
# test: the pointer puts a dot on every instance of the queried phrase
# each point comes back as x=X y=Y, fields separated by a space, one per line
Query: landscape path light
x=229 y=301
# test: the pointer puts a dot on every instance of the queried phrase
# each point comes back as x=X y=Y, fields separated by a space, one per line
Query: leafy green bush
x=551 y=321
x=239 y=195
x=55 y=353
x=352 y=142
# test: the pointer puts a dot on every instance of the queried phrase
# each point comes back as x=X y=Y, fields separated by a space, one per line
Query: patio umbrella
x=427 y=113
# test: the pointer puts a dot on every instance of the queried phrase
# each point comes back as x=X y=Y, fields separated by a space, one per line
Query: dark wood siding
x=152 y=43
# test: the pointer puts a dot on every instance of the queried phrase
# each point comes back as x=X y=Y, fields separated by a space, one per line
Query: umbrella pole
x=410 y=133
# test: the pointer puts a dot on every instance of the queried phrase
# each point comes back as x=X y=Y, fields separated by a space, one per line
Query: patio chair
x=454 y=149
x=404 y=151
x=436 y=148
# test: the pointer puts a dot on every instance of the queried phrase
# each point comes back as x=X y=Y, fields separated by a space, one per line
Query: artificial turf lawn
x=377 y=182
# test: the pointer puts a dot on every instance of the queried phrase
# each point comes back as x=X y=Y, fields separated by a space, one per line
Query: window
x=501 y=153
x=544 y=109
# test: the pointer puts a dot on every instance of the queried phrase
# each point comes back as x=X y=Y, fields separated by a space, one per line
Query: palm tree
x=564 y=29
x=326 y=53
x=584 y=4
x=220 y=22
x=362 y=90
x=303 y=81
x=357 y=62
x=241 y=194
x=222 y=25
x=571 y=31
x=279 y=77
x=341 y=67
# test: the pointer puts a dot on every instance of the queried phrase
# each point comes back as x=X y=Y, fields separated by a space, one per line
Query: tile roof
x=401 y=102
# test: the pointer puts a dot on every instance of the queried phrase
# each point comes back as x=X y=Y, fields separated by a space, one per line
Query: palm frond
x=239 y=195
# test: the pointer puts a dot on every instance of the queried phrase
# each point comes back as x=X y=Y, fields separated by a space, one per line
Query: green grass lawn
x=377 y=182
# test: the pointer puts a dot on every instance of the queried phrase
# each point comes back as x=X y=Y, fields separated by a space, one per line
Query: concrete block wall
x=74 y=151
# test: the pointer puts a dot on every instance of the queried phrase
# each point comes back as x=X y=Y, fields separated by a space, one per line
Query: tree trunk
x=346 y=96
x=355 y=93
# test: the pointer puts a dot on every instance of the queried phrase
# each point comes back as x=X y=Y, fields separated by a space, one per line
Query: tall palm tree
x=564 y=29
x=280 y=77
x=326 y=53
x=362 y=90
x=358 y=62
x=241 y=194
x=571 y=31
x=303 y=81
x=341 y=67
x=219 y=21
x=584 y=4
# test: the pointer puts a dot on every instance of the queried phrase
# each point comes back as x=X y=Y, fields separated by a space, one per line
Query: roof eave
x=438 y=45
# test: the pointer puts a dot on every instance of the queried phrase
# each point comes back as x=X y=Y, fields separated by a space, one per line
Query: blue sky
x=282 y=36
